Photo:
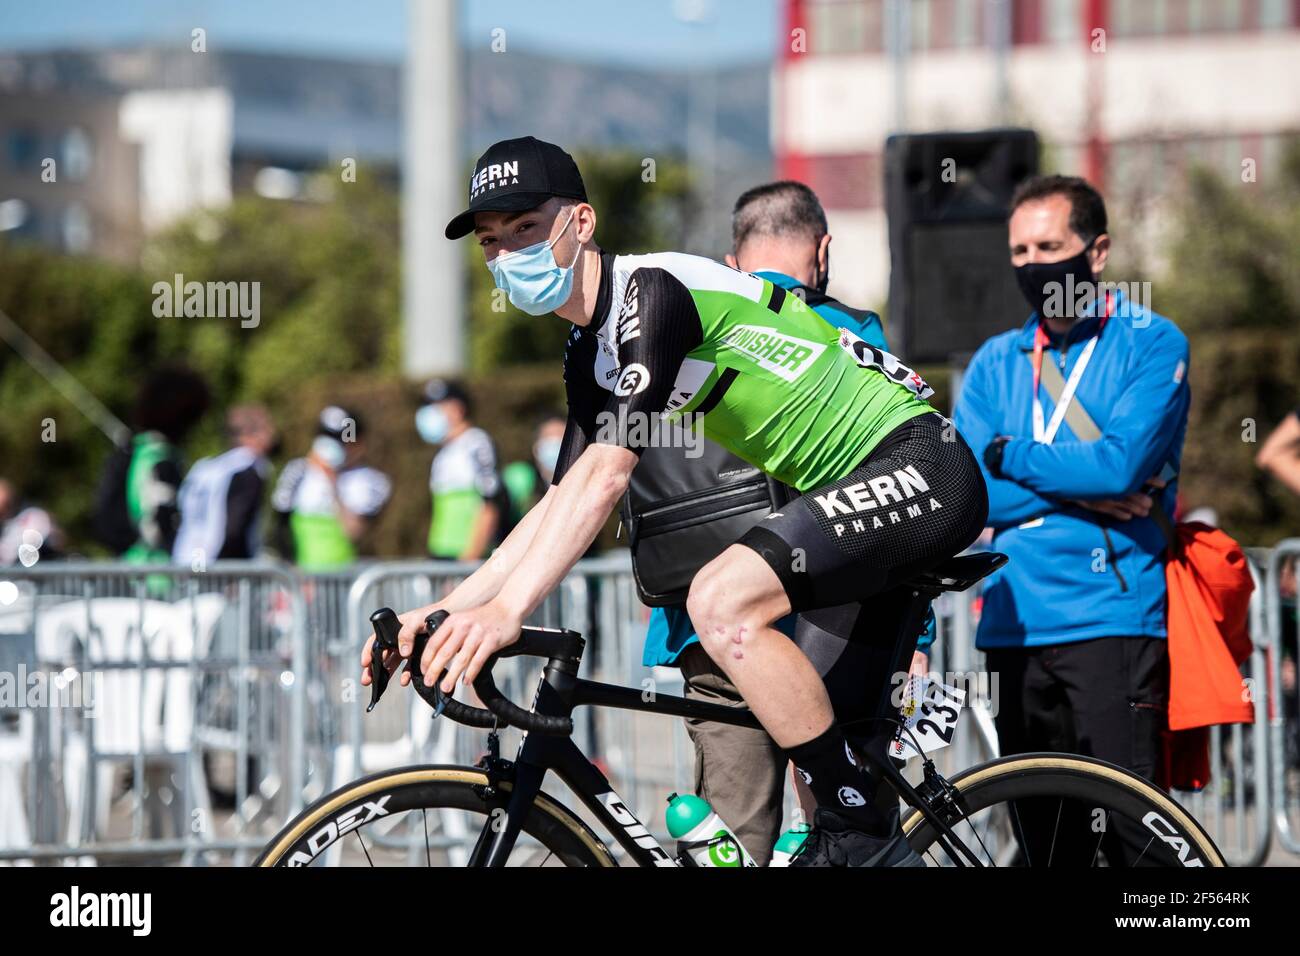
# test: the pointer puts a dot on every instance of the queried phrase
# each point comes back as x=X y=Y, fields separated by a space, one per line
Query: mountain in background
x=323 y=106
x=302 y=112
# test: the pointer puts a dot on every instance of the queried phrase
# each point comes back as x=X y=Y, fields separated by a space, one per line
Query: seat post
x=894 y=658
x=899 y=660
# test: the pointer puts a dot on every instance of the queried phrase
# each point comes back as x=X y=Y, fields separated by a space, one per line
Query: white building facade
x=1125 y=92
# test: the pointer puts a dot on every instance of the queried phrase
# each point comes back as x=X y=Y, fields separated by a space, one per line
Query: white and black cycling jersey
x=303 y=488
x=467 y=462
x=219 y=502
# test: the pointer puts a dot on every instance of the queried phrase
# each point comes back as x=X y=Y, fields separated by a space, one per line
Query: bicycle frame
x=559 y=691
x=539 y=754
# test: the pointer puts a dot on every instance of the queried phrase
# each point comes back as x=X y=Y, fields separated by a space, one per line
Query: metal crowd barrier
x=1284 y=716
x=231 y=697
x=189 y=683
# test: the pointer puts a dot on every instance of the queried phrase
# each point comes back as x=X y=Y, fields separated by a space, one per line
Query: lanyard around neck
x=1046 y=432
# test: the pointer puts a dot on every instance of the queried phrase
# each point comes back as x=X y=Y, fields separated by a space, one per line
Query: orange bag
x=1209 y=600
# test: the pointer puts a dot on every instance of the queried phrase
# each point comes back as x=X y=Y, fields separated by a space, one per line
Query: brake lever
x=386 y=627
x=432 y=694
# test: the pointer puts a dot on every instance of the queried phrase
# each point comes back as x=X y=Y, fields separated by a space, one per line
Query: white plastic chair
x=147 y=710
x=16 y=738
x=15 y=759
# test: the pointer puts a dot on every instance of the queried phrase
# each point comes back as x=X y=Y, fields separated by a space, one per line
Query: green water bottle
x=788 y=845
x=692 y=820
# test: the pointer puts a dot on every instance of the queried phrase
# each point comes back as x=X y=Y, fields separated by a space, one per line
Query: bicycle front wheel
x=1064 y=811
x=427 y=816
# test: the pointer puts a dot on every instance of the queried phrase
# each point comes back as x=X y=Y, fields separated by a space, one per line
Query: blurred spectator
x=1280 y=455
x=1074 y=624
x=221 y=497
x=325 y=501
x=527 y=481
x=468 y=496
x=135 y=510
x=27 y=533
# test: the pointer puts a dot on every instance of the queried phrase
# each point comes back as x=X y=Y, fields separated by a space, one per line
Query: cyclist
x=135 y=505
x=888 y=487
x=779 y=233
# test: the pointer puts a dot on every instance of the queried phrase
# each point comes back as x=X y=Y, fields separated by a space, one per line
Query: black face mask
x=1044 y=282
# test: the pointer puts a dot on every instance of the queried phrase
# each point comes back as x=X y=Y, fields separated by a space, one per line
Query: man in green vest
x=327 y=499
x=466 y=487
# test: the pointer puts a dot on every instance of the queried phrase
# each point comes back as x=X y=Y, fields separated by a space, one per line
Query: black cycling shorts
x=917 y=499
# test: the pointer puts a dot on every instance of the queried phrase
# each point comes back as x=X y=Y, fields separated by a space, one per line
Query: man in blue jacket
x=1081 y=415
x=779 y=232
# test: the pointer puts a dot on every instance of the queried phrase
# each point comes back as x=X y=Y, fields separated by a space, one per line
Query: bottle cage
x=684 y=850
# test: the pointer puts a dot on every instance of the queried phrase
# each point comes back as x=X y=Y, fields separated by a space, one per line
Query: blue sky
x=626 y=31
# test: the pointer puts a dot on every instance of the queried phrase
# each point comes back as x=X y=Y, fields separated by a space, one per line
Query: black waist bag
x=681 y=513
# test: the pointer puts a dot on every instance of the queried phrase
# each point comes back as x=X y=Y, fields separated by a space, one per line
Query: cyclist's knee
x=727 y=609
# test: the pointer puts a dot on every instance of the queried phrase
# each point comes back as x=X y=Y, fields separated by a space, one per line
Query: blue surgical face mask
x=532 y=278
x=431 y=423
x=547 y=454
x=329 y=450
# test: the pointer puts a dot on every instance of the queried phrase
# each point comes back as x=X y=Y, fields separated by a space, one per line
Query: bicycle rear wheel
x=426 y=816
x=1057 y=810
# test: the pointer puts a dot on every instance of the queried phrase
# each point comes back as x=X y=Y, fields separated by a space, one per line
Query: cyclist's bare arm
x=582 y=501
x=479 y=588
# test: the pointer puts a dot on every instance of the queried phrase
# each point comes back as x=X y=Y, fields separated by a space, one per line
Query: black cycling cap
x=518 y=174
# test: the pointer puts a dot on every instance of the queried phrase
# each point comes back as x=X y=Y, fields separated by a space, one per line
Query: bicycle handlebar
x=514 y=715
x=501 y=711
x=386 y=627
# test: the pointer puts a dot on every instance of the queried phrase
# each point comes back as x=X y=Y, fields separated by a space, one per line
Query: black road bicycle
x=1038 y=809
